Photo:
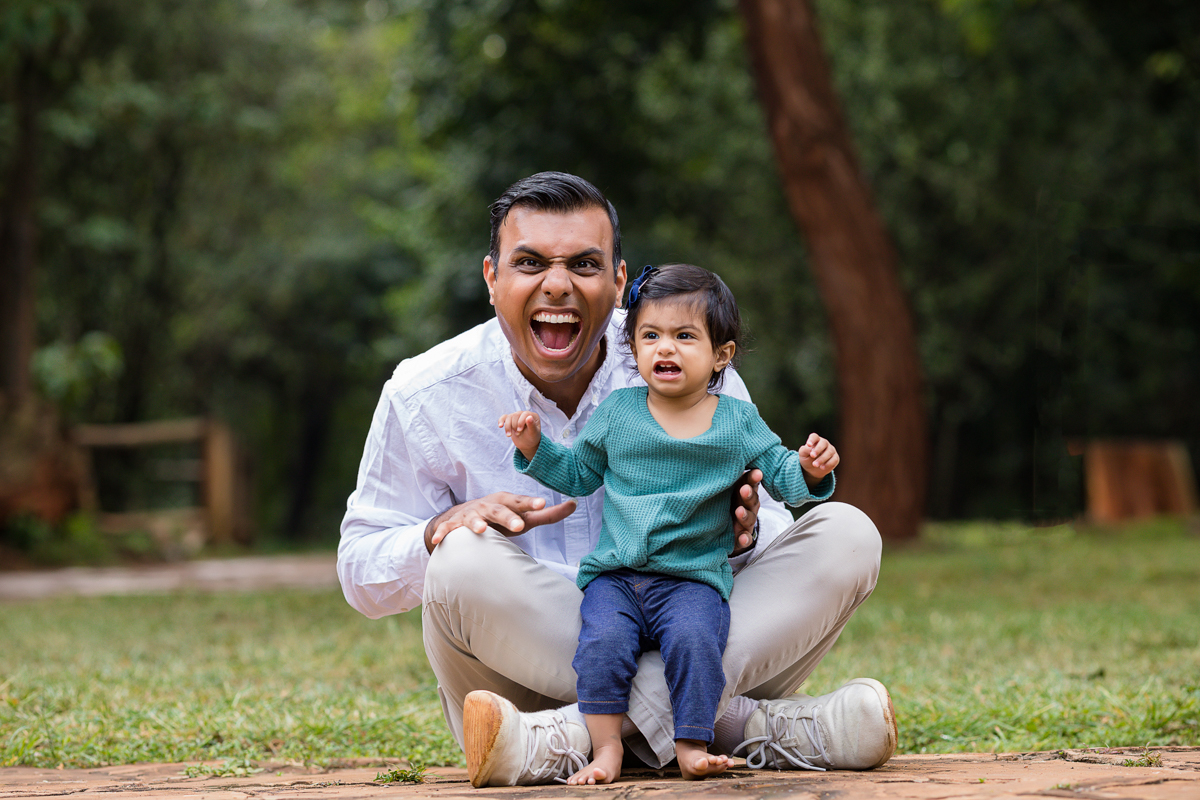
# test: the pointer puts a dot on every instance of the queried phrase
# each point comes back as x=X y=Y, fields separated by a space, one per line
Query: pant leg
x=609 y=645
x=787 y=609
x=690 y=620
x=493 y=618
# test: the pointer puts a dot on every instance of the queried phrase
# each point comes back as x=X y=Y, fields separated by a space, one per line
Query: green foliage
x=1147 y=759
x=74 y=541
x=412 y=774
x=267 y=205
x=71 y=374
x=232 y=767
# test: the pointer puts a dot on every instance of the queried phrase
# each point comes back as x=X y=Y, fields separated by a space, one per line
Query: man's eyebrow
x=590 y=252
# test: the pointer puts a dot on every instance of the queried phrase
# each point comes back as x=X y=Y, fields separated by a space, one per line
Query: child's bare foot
x=605 y=768
x=695 y=762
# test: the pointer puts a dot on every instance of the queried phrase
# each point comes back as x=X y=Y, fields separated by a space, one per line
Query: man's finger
x=548 y=516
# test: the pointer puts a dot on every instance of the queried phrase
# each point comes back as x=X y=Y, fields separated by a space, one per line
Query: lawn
x=992 y=637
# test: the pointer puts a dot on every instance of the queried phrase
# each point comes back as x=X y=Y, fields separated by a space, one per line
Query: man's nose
x=557 y=282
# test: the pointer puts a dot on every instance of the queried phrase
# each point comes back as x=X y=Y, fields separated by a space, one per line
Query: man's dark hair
x=704 y=291
x=558 y=192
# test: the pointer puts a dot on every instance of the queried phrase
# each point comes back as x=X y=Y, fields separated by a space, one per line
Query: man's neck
x=567 y=394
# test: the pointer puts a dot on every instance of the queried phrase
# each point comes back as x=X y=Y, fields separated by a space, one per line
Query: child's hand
x=818 y=458
x=525 y=429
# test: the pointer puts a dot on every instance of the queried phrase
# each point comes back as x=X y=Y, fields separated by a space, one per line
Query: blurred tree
x=882 y=438
x=34 y=39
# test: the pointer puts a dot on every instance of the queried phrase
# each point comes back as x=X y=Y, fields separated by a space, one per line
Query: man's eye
x=587 y=265
x=528 y=263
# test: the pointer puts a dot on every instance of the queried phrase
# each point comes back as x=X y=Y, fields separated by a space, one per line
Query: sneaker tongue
x=555 y=335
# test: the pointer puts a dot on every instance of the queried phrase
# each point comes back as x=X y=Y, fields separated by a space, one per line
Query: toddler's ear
x=724 y=355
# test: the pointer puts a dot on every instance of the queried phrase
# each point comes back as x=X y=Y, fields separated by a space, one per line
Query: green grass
x=1005 y=638
x=991 y=637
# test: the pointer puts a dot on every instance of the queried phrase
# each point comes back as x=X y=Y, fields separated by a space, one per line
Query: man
x=441 y=518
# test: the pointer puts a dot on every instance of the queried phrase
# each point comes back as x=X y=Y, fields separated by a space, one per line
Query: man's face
x=554 y=289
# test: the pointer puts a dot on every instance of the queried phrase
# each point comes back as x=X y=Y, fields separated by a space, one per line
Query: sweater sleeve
x=783 y=476
x=573 y=471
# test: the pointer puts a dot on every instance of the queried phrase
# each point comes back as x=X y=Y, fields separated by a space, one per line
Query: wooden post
x=1127 y=479
x=220 y=482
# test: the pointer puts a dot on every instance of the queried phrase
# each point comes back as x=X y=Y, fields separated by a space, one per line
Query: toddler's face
x=674 y=352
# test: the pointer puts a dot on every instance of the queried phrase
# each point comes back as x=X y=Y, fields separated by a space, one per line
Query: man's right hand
x=511 y=514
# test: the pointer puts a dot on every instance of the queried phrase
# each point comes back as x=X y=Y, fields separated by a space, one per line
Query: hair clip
x=635 y=288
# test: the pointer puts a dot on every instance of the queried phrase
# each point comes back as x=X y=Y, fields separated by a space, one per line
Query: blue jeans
x=627 y=612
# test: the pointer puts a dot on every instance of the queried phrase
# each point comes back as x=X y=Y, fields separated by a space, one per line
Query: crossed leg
x=497 y=620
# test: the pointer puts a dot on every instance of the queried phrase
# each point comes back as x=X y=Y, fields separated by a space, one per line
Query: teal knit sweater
x=667 y=500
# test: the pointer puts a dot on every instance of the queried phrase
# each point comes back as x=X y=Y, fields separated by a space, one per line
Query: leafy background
x=255 y=208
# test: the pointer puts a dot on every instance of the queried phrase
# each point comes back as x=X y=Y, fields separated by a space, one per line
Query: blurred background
x=239 y=215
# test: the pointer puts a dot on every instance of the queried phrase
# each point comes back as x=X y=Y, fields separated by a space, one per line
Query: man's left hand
x=745 y=510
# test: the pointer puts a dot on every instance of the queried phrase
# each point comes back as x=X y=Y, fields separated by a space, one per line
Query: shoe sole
x=483 y=719
x=889 y=716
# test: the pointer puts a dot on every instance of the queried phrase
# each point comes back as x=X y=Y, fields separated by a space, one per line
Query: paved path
x=216 y=575
x=1085 y=775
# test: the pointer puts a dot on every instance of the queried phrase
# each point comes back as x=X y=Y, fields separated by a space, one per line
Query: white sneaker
x=852 y=728
x=505 y=747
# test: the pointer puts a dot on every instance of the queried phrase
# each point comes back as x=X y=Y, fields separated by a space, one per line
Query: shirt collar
x=526 y=391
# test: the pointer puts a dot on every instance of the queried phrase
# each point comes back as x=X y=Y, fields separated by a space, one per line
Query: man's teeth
x=557 y=319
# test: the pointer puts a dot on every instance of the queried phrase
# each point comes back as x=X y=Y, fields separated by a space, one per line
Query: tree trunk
x=883 y=428
x=18 y=243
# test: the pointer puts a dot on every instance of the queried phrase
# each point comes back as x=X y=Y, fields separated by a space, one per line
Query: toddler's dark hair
x=709 y=293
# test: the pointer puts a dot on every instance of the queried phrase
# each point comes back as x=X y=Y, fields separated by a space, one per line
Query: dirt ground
x=1083 y=774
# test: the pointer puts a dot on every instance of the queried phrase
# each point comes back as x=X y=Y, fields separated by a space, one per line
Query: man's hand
x=745 y=510
x=525 y=430
x=818 y=458
x=511 y=514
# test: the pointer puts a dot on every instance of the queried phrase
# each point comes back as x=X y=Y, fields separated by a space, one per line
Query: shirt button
x=566 y=434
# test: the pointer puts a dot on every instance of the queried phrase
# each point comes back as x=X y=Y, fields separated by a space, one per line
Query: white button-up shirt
x=434 y=443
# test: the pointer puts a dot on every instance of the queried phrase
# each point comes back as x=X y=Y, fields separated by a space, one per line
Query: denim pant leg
x=610 y=642
x=691 y=623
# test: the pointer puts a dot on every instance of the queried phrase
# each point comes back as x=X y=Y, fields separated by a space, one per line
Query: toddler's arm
x=525 y=429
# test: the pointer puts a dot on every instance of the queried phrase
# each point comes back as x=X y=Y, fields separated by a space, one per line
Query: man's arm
x=399 y=504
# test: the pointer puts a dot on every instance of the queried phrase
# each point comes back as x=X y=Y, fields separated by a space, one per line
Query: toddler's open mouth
x=555 y=331
x=663 y=368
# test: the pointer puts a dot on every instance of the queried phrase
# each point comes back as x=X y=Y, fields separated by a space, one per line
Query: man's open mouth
x=555 y=331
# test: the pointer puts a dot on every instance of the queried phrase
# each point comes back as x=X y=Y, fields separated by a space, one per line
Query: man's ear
x=620 y=276
x=489 y=277
x=724 y=355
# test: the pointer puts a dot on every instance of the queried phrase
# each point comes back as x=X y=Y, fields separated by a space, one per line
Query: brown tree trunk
x=18 y=243
x=883 y=439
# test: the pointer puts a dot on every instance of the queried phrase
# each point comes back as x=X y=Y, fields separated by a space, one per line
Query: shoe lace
x=560 y=756
x=780 y=727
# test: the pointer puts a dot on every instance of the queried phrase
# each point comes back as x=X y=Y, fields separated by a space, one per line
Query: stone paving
x=1081 y=774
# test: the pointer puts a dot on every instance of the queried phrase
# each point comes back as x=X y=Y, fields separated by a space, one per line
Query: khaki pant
x=495 y=619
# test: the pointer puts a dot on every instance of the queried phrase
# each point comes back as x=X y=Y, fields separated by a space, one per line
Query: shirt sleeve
x=773 y=516
x=783 y=475
x=382 y=557
x=575 y=471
